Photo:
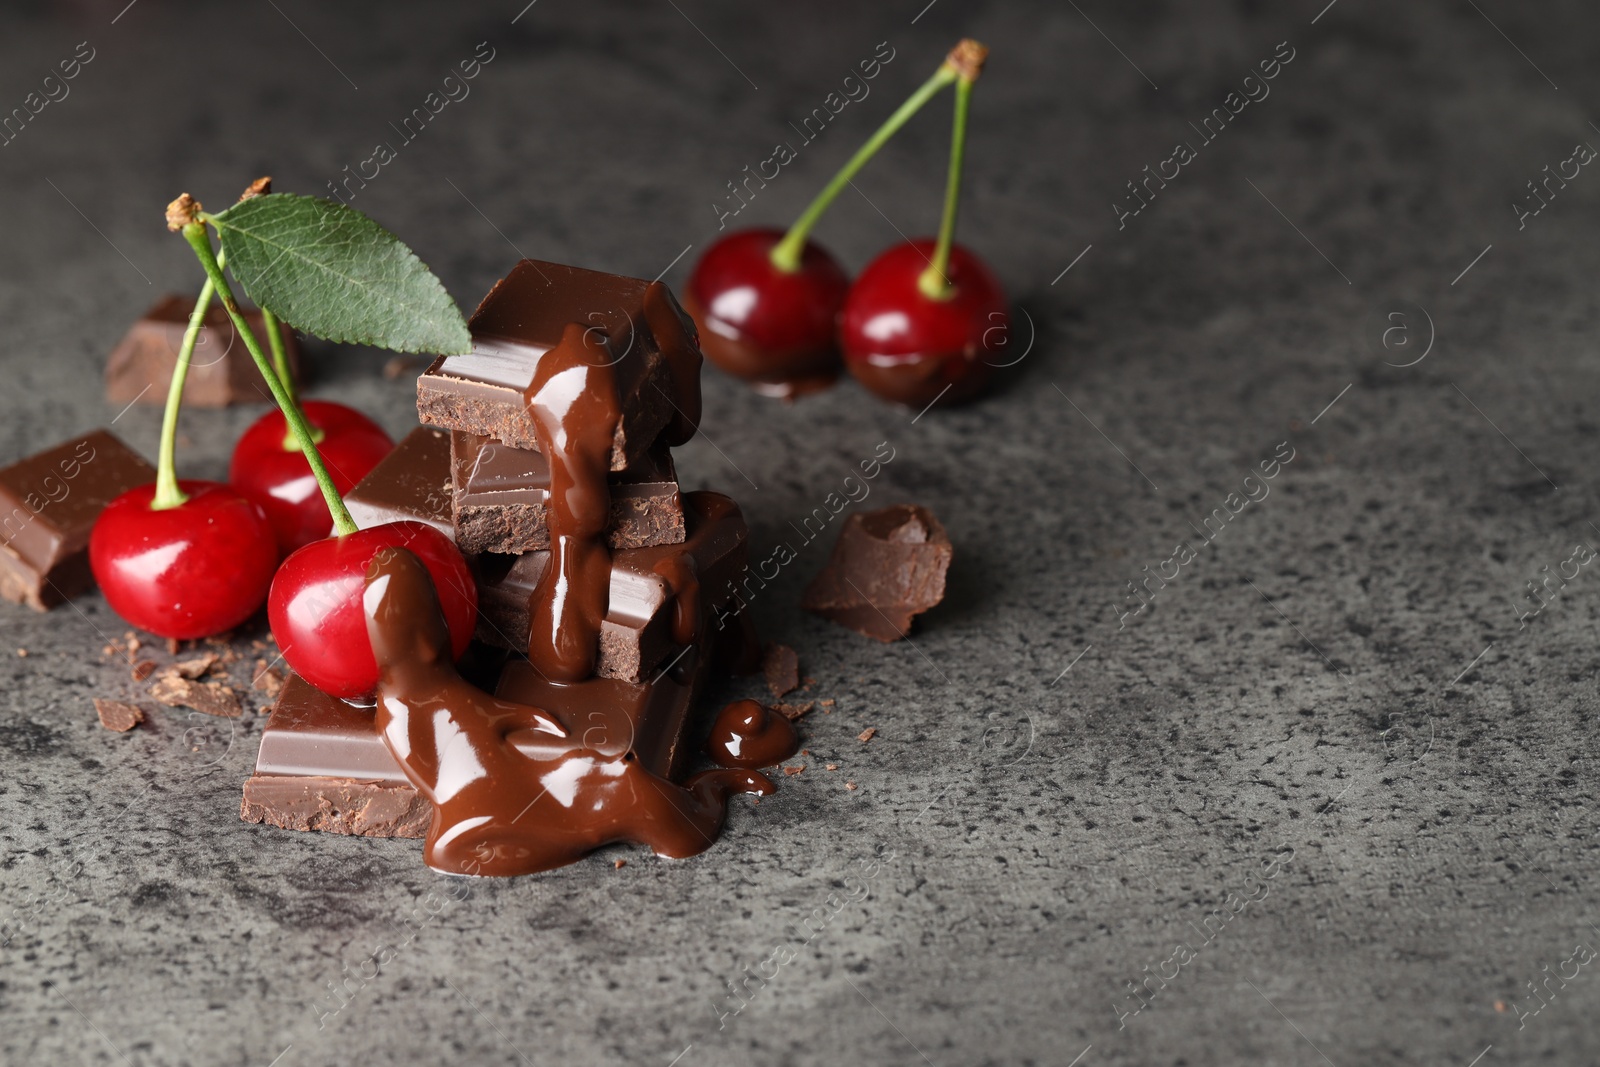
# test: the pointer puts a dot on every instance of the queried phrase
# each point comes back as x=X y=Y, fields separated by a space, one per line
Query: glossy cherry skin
x=280 y=480
x=774 y=329
x=316 y=612
x=191 y=571
x=909 y=348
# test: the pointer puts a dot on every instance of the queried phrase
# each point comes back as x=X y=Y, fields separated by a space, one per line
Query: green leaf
x=331 y=271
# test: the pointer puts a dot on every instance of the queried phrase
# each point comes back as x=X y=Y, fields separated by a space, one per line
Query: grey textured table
x=1328 y=798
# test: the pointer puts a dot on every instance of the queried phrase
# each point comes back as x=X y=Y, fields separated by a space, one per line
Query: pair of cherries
x=206 y=565
x=784 y=330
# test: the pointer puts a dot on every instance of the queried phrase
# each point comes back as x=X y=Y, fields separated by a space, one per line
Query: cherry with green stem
x=183 y=559
x=926 y=319
x=315 y=602
x=767 y=302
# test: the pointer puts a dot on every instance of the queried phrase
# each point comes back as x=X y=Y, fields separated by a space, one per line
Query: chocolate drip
x=749 y=734
x=499 y=808
x=575 y=408
x=679 y=341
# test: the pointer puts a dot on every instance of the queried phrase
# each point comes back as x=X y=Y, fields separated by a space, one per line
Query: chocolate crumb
x=211 y=698
x=850 y=786
x=792 y=771
x=118 y=716
x=196 y=667
x=269 y=681
x=619 y=864
x=868 y=734
x=781 y=666
x=143 y=669
x=793 y=712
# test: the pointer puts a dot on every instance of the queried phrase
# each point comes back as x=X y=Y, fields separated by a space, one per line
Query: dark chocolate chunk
x=221 y=371
x=501 y=494
x=641 y=626
x=117 y=715
x=412 y=482
x=48 y=505
x=650 y=339
x=781 y=667
x=887 y=567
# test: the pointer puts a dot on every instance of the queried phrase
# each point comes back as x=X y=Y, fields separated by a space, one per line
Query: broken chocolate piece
x=412 y=482
x=196 y=667
x=524 y=316
x=211 y=698
x=48 y=506
x=117 y=715
x=887 y=567
x=335 y=806
x=501 y=495
x=139 y=369
x=781 y=667
x=640 y=627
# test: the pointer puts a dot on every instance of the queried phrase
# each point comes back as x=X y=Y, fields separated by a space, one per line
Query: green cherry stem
x=786 y=253
x=168 y=495
x=934 y=282
x=200 y=241
x=280 y=364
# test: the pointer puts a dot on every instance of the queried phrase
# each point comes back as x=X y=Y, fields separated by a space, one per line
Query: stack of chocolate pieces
x=482 y=469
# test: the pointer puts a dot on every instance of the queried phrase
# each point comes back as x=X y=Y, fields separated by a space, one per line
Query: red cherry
x=772 y=328
x=315 y=604
x=907 y=347
x=189 y=571
x=277 y=476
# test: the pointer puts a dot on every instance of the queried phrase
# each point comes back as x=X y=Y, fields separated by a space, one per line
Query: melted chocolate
x=575 y=409
x=497 y=809
x=749 y=734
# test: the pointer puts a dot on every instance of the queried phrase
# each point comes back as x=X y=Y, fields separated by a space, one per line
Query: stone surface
x=1340 y=672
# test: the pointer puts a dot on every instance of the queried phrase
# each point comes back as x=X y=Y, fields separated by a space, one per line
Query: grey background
x=1337 y=693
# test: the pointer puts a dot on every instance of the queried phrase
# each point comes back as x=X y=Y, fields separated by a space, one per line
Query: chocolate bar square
x=48 y=505
x=221 y=371
x=500 y=495
x=412 y=482
x=522 y=318
x=637 y=632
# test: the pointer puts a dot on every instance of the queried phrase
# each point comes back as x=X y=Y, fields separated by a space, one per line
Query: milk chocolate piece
x=500 y=496
x=650 y=339
x=335 y=806
x=221 y=371
x=887 y=566
x=641 y=626
x=118 y=715
x=48 y=505
x=412 y=482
